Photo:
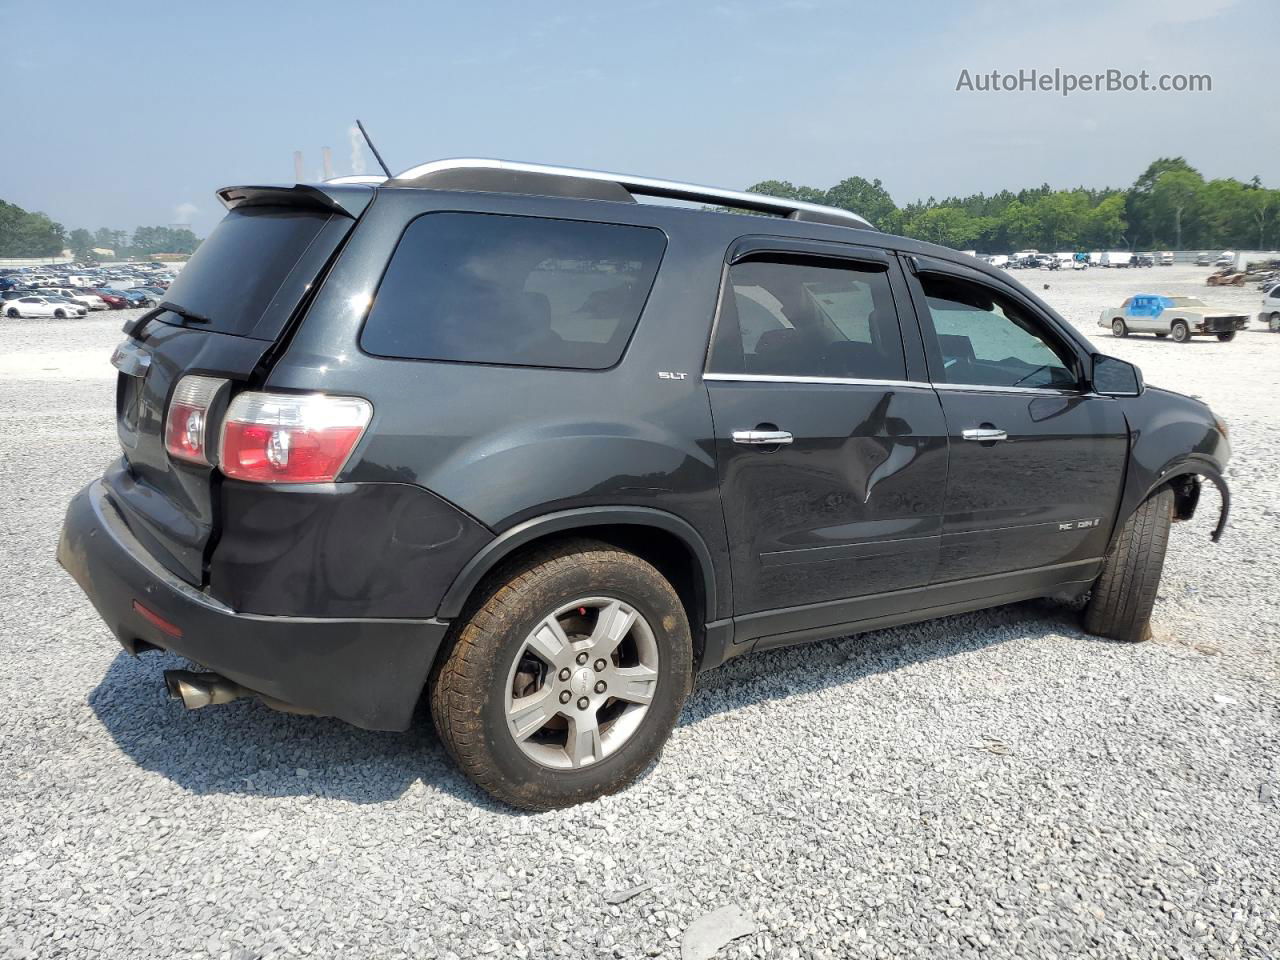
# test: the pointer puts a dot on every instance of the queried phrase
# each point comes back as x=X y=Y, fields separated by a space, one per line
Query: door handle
x=984 y=434
x=762 y=437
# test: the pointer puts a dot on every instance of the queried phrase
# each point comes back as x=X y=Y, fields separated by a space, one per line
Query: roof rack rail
x=638 y=186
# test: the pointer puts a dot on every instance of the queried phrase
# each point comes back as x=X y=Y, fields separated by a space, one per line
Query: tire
x=1125 y=592
x=1274 y=321
x=506 y=644
x=12 y=313
x=1227 y=336
x=1181 y=332
x=1118 y=328
x=60 y=314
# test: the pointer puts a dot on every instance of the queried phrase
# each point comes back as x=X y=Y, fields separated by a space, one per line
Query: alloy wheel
x=581 y=683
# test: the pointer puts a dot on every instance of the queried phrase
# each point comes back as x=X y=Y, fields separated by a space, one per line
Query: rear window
x=241 y=268
x=525 y=291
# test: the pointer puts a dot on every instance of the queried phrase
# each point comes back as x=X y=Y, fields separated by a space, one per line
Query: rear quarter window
x=523 y=291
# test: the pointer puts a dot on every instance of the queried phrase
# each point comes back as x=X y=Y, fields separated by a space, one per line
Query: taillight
x=186 y=426
x=283 y=438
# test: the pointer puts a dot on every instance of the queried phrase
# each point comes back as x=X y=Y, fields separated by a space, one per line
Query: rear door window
x=524 y=291
x=798 y=318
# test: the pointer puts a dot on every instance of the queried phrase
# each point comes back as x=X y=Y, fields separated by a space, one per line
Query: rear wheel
x=567 y=677
x=1181 y=332
x=1227 y=336
x=1118 y=329
x=12 y=313
x=1125 y=592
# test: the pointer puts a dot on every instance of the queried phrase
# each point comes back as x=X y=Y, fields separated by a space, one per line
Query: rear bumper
x=365 y=671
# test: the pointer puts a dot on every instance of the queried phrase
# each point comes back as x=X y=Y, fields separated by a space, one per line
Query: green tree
x=80 y=241
x=1105 y=225
x=26 y=234
x=1139 y=208
x=947 y=226
x=1175 y=199
x=866 y=198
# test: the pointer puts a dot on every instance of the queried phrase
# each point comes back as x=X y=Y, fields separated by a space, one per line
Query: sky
x=133 y=113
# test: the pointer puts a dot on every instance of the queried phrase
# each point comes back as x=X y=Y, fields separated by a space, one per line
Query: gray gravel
x=995 y=784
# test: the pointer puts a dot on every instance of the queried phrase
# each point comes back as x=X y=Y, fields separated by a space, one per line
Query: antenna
x=376 y=155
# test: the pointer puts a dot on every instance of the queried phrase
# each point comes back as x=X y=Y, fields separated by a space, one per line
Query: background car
x=113 y=300
x=1166 y=258
x=1271 y=309
x=136 y=298
x=90 y=301
x=1204 y=260
x=37 y=306
x=1179 y=317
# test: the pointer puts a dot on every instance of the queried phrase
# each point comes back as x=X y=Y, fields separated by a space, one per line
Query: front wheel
x=1118 y=329
x=1125 y=592
x=1227 y=336
x=1181 y=332
x=1274 y=322
x=60 y=314
x=566 y=678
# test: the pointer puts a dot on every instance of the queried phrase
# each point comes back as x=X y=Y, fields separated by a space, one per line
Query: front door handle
x=762 y=437
x=984 y=434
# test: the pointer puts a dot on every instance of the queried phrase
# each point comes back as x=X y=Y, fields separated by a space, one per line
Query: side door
x=831 y=448
x=1037 y=459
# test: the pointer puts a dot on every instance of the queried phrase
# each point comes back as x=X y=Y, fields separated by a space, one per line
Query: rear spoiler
x=346 y=199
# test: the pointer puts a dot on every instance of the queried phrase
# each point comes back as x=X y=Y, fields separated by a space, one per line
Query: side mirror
x=1113 y=377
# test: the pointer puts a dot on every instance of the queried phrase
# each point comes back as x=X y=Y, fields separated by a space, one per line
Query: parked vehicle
x=1179 y=317
x=155 y=293
x=1226 y=259
x=135 y=297
x=1166 y=258
x=726 y=434
x=1270 y=314
x=1117 y=258
x=1144 y=260
x=1204 y=260
x=40 y=306
x=112 y=300
x=89 y=301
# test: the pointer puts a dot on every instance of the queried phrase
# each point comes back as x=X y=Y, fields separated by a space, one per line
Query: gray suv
x=501 y=435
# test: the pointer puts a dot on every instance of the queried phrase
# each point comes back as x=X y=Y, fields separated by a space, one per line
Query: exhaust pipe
x=197 y=690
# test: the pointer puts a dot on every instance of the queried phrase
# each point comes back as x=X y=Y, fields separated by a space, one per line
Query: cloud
x=185 y=212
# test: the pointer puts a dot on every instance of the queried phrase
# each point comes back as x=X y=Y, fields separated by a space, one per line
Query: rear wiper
x=183 y=312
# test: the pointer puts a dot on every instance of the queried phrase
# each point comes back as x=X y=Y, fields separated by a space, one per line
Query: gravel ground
x=995 y=784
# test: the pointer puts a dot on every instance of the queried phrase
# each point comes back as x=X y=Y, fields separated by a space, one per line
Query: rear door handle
x=761 y=437
x=987 y=434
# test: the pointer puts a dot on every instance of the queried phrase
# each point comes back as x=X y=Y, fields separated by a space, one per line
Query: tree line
x=33 y=235
x=1169 y=207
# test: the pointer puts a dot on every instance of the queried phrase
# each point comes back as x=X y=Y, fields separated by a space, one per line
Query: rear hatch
x=230 y=310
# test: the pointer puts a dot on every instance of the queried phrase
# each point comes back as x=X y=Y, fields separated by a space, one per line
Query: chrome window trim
x=983 y=388
x=780 y=378
x=865 y=382
x=645 y=186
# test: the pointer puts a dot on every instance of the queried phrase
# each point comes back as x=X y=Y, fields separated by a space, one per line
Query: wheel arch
x=669 y=543
x=1184 y=479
